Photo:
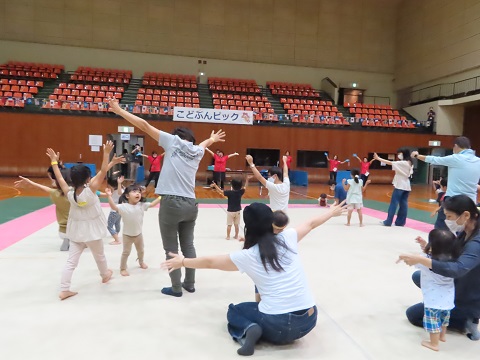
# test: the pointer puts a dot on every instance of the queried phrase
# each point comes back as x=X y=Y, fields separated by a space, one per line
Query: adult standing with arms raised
x=178 y=208
x=401 y=182
x=333 y=166
x=364 y=167
x=463 y=172
x=220 y=166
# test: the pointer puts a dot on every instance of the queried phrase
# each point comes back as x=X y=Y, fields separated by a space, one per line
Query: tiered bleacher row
x=161 y=92
x=88 y=89
x=31 y=70
x=304 y=104
x=373 y=115
x=241 y=94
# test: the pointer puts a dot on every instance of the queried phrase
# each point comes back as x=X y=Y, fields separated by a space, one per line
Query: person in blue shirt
x=463 y=169
x=340 y=193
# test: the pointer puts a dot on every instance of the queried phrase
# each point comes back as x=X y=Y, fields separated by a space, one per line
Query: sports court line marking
x=17 y=229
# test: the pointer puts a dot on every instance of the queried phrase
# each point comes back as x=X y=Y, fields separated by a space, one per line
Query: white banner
x=238 y=117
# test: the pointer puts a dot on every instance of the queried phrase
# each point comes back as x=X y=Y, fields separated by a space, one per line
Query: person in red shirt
x=333 y=166
x=289 y=161
x=220 y=166
x=364 y=167
x=155 y=167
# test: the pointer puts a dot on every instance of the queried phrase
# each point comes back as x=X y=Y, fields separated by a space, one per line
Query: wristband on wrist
x=54 y=163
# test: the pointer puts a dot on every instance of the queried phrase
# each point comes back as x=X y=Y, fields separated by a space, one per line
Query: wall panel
x=25 y=137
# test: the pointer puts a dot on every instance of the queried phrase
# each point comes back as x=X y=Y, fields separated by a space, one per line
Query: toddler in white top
x=87 y=224
x=354 y=188
x=131 y=208
x=438 y=291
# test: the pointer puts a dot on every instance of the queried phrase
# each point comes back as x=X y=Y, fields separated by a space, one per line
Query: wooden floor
x=418 y=197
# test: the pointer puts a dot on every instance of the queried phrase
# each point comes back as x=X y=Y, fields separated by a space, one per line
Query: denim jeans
x=400 y=199
x=177 y=217
x=277 y=329
x=414 y=313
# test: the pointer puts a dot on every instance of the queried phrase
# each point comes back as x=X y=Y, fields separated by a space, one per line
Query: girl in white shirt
x=286 y=311
x=354 y=189
x=131 y=208
x=401 y=182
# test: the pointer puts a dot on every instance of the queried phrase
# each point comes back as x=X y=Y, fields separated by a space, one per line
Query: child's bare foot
x=107 y=277
x=242 y=239
x=124 y=273
x=443 y=337
x=236 y=237
x=347 y=224
x=66 y=294
x=361 y=225
x=429 y=345
x=115 y=242
x=143 y=266
x=227 y=238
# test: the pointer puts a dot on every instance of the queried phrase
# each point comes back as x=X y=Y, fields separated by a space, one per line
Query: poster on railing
x=237 y=117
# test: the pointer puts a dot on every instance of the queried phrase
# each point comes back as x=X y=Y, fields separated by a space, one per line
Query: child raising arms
x=87 y=224
x=234 y=208
x=131 y=208
x=115 y=184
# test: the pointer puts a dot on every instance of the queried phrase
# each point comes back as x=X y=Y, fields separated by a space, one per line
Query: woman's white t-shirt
x=403 y=170
x=279 y=194
x=281 y=291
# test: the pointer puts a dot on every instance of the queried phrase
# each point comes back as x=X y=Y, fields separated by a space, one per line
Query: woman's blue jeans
x=277 y=329
x=400 y=200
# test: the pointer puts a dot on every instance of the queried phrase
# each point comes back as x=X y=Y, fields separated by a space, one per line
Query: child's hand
x=421 y=241
x=22 y=181
x=114 y=106
x=120 y=180
x=53 y=155
x=108 y=191
x=108 y=147
x=376 y=157
x=284 y=158
x=249 y=159
x=218 y=136
x=433 y=213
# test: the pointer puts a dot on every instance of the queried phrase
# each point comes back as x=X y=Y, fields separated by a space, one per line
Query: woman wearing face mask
x=401 y=182
x=462 y=218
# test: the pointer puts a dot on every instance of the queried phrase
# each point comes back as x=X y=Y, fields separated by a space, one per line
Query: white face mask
x=454 y=226
x=400 y=156
x=271 y=179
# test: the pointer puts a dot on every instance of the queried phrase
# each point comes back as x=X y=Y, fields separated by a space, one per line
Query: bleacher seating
x=161 y=92
x=101 y=76
x=175 y=81
x=243 y=86
x=26 y=70
x=67 y=96
x=291 y=89
x=378 y=115
x=303 y=104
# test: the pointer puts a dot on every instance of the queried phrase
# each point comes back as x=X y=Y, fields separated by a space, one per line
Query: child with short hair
x=438 y=291
x=234 y=207
x=354 y=188
x=87 y=224
x=322 y=200
x=131 y=208
x=440 y=221
x=115 y=184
